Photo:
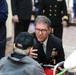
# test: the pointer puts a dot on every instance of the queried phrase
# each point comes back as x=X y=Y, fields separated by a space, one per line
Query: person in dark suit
x=21 y=11
x=3 y=18
x=56 y=11
x=47 y=48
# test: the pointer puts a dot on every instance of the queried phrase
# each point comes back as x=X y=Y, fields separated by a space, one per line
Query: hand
x=32 y=53
x=41 y=64
x=15 y=18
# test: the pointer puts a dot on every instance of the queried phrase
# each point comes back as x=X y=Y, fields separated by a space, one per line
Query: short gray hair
x=43 y=19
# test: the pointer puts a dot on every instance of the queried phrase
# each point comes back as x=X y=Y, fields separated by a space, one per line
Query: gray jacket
x=24 y=66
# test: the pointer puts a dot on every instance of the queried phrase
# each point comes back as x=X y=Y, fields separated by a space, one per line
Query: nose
x=40 y=32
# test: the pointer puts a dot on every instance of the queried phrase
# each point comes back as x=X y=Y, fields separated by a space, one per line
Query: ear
x=50 y=30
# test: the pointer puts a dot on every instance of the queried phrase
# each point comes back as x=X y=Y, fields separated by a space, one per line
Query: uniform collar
x=45 y=42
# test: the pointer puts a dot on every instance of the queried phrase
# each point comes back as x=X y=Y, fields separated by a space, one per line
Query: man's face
x=42 y=31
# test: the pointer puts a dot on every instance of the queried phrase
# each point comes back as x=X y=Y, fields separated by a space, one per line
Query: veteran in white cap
x=18 y=63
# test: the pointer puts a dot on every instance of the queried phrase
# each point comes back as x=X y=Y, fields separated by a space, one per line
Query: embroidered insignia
x=54 y=52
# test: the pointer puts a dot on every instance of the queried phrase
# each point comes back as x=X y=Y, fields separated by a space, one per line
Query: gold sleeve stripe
x=65 y=17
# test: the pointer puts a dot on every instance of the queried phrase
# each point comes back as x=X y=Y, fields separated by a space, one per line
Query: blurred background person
x=3 y=18
x=35 y=10
x=21 y=11
x=36 y=4
x=56 y=11
x=74 y=9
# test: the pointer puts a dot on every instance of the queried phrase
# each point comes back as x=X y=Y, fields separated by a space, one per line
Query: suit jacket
x=22 y=8
x=52 y=9
x=53 y=44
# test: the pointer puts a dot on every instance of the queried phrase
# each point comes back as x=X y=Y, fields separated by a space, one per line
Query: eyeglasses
x=41 y=30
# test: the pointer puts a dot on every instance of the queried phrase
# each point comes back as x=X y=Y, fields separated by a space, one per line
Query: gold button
x=50 y=10
x=54 y=14
x=55 y=5
x=55 y=10
x=50 y=6
x=49 y=14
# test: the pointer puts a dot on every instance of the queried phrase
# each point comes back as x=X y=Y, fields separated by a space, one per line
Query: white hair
x=20 y=51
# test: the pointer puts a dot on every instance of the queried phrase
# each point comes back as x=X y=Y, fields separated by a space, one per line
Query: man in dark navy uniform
x=3 y=18
x=56 y=11
x=47 y=48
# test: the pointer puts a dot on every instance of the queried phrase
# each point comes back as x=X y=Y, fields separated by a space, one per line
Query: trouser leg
x=58 y=31
x=2 y=41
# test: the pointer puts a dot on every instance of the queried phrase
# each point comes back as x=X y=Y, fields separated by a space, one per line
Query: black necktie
x=41 y=48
